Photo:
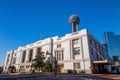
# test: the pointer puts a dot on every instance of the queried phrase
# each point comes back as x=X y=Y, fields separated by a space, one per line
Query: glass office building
x=112 y=42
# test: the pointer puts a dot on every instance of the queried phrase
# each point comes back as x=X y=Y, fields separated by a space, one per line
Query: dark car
x=1 y=69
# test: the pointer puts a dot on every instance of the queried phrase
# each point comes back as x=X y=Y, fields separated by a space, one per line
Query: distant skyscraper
x=112 y=42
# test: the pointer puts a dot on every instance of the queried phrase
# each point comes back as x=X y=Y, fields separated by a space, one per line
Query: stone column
x=26 y=60
x=82 y=53
x=5 y=63
x=71 y=50
x=34 y=53
x=27 y=56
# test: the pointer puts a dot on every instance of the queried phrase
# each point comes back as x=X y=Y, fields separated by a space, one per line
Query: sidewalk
x=109 y=76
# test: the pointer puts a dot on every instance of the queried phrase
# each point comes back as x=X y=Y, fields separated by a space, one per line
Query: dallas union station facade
x=78 y=51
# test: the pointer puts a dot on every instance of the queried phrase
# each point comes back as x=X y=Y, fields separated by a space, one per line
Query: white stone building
x=77 y=52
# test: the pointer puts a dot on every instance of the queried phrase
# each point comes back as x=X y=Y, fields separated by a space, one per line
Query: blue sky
x=22 y=21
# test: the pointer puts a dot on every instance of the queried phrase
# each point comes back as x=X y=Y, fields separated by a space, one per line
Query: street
x=43 y=76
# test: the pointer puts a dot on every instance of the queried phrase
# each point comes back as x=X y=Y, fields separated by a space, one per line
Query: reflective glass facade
x=112 y=42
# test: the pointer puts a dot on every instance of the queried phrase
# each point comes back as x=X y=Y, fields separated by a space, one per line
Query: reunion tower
x=74 y=21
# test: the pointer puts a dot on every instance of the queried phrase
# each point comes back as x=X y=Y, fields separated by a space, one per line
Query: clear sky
x=22 y=21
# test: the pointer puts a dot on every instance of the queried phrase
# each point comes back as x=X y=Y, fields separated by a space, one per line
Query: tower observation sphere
x=74 y=21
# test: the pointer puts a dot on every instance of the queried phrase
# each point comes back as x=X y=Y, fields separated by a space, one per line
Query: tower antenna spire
x=74 y=21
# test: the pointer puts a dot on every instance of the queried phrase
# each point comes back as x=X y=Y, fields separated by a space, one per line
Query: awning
x=102 y=62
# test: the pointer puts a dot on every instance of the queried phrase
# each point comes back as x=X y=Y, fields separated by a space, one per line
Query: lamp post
x=55 y=67
x=25 y=65
x=18 y=70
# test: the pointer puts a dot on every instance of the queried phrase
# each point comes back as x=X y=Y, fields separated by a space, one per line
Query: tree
x=38 y=61
x=47 y=67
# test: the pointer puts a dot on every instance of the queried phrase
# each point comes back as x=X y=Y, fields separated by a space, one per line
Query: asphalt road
x=49 y=77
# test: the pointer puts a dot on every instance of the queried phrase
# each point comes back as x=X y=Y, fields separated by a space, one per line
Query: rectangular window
x=15 y=54
x=23 y=56
x=59 y=55
x=14 y=60
x=95 y=45
x=21 y=66
x=27 y=66
x=76 y=65
x=91 y=51
x=61 y=65
x=38 y=50
x=8 y=55
x=7 y=61
x=90 y=41
x=97 y=56
x=75 y=41
x=76 y=50
x=58 y=45
x=30 y=55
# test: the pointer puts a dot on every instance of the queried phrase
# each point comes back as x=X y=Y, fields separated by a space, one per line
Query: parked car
x=12 y=69
x=1 y=69
x=114 y=71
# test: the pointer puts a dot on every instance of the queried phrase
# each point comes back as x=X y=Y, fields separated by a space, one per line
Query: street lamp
x=25 y=65
x=55 y=66
x=18 y=70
